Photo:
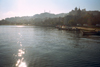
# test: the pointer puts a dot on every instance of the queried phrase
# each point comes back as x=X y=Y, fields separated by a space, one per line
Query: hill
x=29 y=19
x=73 y=18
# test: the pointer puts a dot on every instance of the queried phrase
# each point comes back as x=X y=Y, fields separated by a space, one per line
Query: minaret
x=79 y=8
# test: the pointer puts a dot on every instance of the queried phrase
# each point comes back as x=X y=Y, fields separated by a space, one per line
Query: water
x=34 y=46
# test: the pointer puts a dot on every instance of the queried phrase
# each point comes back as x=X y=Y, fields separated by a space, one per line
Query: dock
x=83 y=30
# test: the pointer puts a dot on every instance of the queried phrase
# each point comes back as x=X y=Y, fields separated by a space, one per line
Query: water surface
x=34 y=46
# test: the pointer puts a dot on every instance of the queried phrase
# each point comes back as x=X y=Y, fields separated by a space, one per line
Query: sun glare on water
x=20 y=26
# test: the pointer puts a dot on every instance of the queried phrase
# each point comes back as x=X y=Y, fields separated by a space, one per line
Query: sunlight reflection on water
x=20 y=62
x=19 y=26
x=21 y=52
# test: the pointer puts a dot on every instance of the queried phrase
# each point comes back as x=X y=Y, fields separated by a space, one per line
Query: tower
x=75 y=8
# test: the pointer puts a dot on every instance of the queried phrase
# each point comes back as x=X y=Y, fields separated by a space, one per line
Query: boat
x=85 y=32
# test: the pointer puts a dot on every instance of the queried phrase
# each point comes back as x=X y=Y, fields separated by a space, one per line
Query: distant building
x=75 y=8
x=85 y=25
x=97 y=24
x=79 y=9
x=78 y=24
x=83 y=10
x=94 y=12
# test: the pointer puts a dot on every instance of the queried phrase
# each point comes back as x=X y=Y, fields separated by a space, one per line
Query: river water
x=34 y=46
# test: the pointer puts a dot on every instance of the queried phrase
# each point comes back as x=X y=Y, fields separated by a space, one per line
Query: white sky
x=12 y=8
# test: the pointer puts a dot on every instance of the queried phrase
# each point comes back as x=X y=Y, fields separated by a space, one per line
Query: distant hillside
x=73 y=18
x=49 y=15
x=40 y=17
x=18 y=19
x=62 y=14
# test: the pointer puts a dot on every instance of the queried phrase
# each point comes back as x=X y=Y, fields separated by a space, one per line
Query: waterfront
x=34 y=46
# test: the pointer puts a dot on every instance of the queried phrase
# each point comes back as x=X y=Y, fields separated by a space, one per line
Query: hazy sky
x=12 y=8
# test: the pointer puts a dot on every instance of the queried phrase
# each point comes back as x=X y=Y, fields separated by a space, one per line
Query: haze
x=12 y=8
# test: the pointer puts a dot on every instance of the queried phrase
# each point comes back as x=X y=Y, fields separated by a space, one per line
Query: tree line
x=76 y=17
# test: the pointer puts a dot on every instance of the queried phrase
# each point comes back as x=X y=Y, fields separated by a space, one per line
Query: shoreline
x=81 y=27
